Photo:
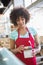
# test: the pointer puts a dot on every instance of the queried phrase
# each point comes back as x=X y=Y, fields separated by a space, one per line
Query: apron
x=25 y=42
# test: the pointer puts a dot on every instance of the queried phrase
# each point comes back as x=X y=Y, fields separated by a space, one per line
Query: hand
x=33 y=53
x=20 y=48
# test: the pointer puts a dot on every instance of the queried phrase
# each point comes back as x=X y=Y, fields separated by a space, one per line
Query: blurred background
x=35 y=7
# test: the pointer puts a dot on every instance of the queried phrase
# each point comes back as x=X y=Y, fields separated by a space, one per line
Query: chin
x=22 y=26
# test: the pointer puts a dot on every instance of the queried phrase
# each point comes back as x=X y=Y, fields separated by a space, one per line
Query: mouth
x=22 y=25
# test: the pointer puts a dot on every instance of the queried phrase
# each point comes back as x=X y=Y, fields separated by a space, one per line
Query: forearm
x=14 y=50
x=37 y=44
x=37 y=49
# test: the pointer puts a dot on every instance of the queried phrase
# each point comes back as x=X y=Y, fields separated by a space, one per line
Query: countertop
x=7 y=58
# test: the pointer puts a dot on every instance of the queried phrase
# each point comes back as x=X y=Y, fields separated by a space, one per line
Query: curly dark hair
x=17 y=12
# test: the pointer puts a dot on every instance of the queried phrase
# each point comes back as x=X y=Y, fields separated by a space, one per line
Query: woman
x=21 y=38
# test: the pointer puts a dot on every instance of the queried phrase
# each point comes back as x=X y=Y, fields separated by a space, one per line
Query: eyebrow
x=20 y=16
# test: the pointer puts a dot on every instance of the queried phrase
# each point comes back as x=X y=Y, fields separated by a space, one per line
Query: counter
x=7 y=58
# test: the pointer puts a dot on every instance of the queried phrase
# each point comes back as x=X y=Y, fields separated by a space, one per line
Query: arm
x=13 y=47
x=36 y=38
x=37 y=44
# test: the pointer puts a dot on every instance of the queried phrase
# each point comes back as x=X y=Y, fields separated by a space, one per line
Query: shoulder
x=32 y=31
x=13 y=34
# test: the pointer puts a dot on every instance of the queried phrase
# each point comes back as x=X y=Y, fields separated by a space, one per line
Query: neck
x=22 y=28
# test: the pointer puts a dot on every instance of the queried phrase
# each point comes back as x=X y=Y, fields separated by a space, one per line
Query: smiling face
x=21 y=22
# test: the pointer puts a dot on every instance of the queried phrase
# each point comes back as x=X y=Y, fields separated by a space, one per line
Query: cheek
x=17 y=23
x=23 y=22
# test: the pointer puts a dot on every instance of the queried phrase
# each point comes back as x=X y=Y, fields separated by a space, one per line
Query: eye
x=17 y=20
x=22 y=19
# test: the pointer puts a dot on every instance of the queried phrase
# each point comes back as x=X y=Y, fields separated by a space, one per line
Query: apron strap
x=26 y=29
x=30 y=36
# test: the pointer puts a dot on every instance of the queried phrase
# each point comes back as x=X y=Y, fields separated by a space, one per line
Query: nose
x=20 y=21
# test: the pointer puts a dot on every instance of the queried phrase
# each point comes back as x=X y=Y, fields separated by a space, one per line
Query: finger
x=33 y=53
x=20 y=51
